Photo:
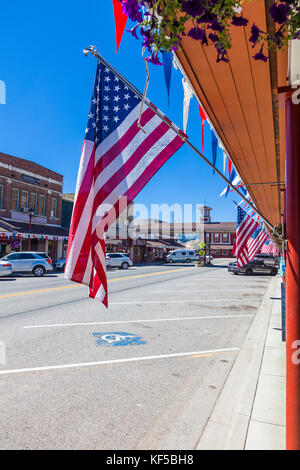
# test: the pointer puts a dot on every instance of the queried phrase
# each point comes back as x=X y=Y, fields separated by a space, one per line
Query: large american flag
x=245 y=227
x=270 y=247
x=117 y=160
x=256 y=241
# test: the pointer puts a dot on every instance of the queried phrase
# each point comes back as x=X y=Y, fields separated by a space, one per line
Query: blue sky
x=49 y=83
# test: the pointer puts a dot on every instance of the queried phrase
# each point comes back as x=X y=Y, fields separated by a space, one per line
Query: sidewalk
x=250 y=411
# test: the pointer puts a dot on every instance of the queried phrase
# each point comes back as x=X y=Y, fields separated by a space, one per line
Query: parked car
x=60 y=264
x=108 y=262
x=5 y=268
x=231 y=266
x=29 y=262
x=267 y=258
x=119 y=260
x=182 y=256
x=256 y=267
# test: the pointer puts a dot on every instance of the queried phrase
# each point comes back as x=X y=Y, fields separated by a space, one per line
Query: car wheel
x=124 y=266
x=235 y=273
x=38 y=271
x=248 y=271
x=188 y=260
x=273 y=272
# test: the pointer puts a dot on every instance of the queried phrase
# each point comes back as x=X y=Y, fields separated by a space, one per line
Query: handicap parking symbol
x=117 y=338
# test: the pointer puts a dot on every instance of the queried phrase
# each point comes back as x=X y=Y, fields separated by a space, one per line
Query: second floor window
x=33 y=202
x=225 y=237
x=41 y=205
x=24 y=199
x=53 y=207
x=216 y=237
x=1 y=196
x=14 y=199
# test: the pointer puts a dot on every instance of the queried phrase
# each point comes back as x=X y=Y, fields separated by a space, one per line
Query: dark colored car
x=256 y=267
x=231 y=266
x=268 y=259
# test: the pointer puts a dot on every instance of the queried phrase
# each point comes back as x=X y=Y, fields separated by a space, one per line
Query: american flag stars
x=111 y=103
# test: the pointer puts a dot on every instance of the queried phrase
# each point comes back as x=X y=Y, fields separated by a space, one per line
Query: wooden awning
x=240 y=99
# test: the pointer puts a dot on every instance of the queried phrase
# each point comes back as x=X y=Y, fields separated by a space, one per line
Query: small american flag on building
x=117 y=161
x=256 y=241
x=245 y=227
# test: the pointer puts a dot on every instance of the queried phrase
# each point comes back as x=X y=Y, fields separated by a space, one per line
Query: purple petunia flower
x=148 y=39
x=260 y=55
x=132 y=9
x=213 y=37
x=279 y=12
x=196 y=33
x=193 y=7
x=153 y=59
x=216 y=26
x=133 y=31
x=254 y=34
x=239 y=21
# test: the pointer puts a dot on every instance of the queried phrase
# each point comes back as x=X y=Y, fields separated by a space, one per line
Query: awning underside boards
x=240 y=99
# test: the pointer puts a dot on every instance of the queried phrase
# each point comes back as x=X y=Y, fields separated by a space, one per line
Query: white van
x=182 y=256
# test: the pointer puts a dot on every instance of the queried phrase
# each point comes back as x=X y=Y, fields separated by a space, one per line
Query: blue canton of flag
x=117 y=102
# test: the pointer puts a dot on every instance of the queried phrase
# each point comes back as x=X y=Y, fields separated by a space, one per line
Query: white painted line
x=58 y=325
x=203 y=291
x=179 y=301
x=114 y=361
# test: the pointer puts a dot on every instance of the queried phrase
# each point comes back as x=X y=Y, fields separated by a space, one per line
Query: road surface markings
x=135 y=302
x=203 y=291
x=58 y=325
x=117 y=361
x=50 y=289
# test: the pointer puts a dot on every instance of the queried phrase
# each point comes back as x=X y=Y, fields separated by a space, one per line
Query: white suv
x=29 y=262
x=119 y=260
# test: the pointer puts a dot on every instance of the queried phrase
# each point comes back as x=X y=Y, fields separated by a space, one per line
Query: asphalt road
x=68 y=382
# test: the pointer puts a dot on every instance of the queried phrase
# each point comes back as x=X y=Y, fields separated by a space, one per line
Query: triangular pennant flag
x=188 y=94
x=224 y=162
x=120 y=21
x=214 y=148
x=203 y=119
x=167 y=59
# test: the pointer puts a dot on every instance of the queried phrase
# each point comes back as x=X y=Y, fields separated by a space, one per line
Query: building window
x=24 y=199
x=33 y=202
x=54 y=207
x=216 y=237
x=15 y=199
x=41 y=205
x=207 y=236
x=225 y=237
x=1 y=196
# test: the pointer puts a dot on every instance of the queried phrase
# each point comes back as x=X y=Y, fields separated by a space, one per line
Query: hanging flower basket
x=163 y=23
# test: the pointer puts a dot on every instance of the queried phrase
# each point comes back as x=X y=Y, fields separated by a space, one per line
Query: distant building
x=30 y=208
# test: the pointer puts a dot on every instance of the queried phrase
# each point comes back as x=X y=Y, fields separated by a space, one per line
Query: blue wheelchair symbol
x=118 y=339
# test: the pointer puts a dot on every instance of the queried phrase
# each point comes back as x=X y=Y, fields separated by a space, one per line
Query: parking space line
x=50 y=289
x=58 y=325
x=135 y=302
x=116 y=361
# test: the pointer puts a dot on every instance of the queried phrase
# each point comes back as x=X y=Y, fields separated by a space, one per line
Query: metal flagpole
x=95 y=53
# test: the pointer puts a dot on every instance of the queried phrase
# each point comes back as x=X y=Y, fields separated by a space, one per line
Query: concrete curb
x=228 y=424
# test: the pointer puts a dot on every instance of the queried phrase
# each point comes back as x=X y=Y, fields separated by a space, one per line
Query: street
x=144 y=374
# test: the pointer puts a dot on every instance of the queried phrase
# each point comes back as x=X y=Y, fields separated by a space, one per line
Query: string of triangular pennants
x=31 y=236
x=169 y=61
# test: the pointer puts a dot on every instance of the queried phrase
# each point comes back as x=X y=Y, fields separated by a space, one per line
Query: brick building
x=30 y=208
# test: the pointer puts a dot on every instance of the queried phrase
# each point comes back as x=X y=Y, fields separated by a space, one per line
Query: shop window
x=15 y=199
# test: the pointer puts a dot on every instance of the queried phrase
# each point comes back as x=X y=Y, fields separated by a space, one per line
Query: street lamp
x=30 y=213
